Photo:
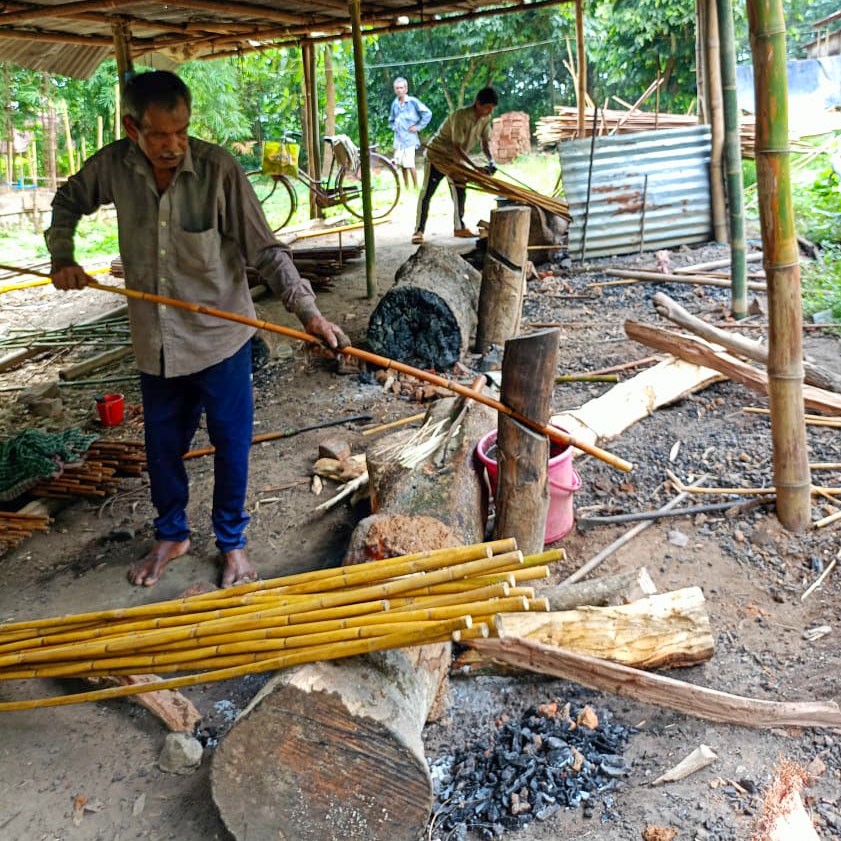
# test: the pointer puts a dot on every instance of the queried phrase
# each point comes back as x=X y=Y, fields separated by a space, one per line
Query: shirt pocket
x=198 y=253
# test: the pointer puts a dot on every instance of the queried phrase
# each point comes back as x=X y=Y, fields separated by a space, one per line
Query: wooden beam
x=661 y=691
x=581 y=81
x=121 y=31
x=53 y=37
x=245 y=10
x=63 y=10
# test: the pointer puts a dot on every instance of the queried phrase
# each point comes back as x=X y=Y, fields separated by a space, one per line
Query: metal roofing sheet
x=668 y=168
x=66 y=59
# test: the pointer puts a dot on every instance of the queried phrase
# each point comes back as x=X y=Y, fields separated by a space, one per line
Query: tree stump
x=503 y=277
x=428 y=317
x=522 y=498
x=333 y=751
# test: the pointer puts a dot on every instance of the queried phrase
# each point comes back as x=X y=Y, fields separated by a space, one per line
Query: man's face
x=401 y=89
x=483 y=110
x=161 y=135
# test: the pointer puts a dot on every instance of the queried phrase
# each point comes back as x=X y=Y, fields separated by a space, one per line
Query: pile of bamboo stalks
x=17 y=527
x=99 y=472
x=466 y=172
x=432 y=596
x=563 y=125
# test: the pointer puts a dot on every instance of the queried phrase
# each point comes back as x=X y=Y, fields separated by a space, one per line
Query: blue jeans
x=172 y=409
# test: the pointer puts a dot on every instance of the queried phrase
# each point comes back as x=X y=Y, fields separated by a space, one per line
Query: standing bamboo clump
x=412 y=600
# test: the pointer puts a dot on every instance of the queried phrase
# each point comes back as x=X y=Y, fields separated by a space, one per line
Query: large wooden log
x=669 y=308
x=699 y=352
x=503 y=277
x=622 y=588
x=658 y=632
x=428 y=317
x=333 y=751
x=522 y=500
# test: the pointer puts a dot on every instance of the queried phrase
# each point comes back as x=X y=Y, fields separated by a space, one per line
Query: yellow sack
x=280 y=157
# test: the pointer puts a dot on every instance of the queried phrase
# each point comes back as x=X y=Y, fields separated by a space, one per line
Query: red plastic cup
x=110 y=409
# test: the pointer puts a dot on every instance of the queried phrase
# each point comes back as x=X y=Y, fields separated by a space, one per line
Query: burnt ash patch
x=531 y=768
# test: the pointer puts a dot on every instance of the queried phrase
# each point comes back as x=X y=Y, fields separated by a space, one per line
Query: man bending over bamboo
x=188 y=223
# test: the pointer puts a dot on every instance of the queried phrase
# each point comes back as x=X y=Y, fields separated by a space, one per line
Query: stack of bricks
x=511 y=136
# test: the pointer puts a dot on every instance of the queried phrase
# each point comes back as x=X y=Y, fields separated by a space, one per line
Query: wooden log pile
x=563 y=125
x=511 y=136
x=15 y=527
x=99 y=472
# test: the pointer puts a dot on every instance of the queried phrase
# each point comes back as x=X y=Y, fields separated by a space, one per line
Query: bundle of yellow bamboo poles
x=411 y=600
x=466 y=172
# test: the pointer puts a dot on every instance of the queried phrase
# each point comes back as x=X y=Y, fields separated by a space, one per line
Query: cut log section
x=428 y=318
x=333 y=751
x=622 y=588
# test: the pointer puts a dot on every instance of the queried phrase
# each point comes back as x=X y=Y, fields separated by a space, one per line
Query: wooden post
x=71 y=162
x=719 y=210
x=329 y=107
x=99 y=131
x=84 y=147
x=701 y=61
x=49 y=131
x=522 y=497
x=121 y=33
x=782 y=266
x=503 y=277
x=733 y=161
x=118 y=125
x=311 y=127
x=362 y=109
x=581 y=81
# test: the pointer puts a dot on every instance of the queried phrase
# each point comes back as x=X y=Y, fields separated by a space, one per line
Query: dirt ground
x=752 y=572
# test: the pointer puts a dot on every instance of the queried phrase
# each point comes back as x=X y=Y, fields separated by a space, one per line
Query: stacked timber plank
x=511 y=136
x=412 y=600
x=563 y=125
x=15 y=527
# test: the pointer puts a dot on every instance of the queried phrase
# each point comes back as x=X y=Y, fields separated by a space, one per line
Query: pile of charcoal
x=551 y=758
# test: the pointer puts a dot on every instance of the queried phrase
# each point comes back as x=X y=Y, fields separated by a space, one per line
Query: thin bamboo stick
x=553 y=433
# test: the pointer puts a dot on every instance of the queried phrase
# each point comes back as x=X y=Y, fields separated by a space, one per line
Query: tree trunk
x=503 y=277
x=347 y=734
x=581 y=80
x=50 y=150
x=693 y=350
x=782 y=265
x=667 y=307
x=428 y=317
x=522 y=499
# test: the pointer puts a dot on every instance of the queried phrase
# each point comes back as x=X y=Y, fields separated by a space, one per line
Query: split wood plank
x=691 y=280
x=702 y=702
x=669 y=308
x=702 y=353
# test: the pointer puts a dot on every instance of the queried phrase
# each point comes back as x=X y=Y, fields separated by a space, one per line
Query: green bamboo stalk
x=781 y=261
x=733 y=161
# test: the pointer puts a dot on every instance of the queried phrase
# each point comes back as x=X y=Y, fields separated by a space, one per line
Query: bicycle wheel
x=385 y=187
x=277 y=195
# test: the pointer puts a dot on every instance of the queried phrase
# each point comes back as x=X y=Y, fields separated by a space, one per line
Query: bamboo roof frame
x=207 y=29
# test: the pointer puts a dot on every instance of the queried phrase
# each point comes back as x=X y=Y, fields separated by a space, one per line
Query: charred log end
x=314 y=771
x=417 y=327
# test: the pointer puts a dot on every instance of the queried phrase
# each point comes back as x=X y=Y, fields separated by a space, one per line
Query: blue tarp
x=814 y=84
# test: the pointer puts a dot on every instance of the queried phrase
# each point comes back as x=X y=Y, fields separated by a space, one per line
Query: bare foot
x=149 y=570
x=238 y=569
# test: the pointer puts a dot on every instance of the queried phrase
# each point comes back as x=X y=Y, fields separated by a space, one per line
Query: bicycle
x=342 y=186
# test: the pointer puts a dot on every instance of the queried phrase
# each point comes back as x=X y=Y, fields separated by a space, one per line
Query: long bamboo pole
x=555 y=434
x=713 y=80
x=733 y=160
x=581 y=81
x=355 y=8
x=782 y=265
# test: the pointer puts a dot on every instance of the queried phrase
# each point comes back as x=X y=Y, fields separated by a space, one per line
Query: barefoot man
x=189 y=222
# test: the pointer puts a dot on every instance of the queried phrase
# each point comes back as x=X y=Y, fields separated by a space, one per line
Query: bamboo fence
x=433 y=596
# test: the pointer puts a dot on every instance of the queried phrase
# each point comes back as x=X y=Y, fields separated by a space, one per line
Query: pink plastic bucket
x=564 y=481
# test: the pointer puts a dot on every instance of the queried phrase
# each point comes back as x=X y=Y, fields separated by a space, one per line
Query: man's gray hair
x=400 y=79
x=160 y=87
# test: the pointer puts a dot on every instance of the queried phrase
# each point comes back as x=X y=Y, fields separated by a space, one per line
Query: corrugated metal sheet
x=65 y=59
x=677 y=191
